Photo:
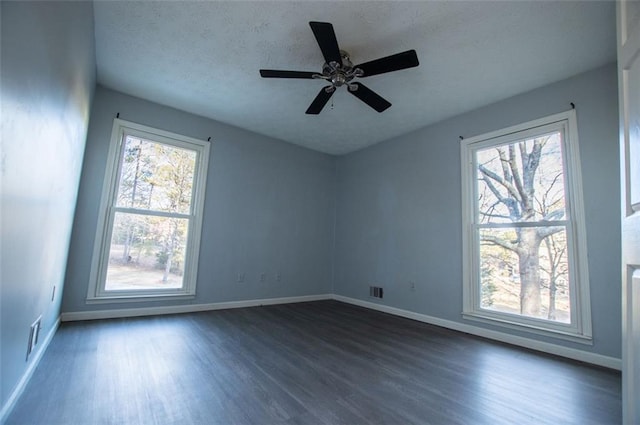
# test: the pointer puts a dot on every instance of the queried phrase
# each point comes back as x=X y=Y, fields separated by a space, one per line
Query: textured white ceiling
x=204 y=57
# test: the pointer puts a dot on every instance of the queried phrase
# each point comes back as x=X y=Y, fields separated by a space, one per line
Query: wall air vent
x=375 y=291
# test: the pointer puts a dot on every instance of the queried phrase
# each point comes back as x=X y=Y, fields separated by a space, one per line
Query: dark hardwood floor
x=310 y=363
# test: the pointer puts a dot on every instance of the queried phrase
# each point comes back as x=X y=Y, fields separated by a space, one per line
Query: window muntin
x=151 y=215
x=526 y=258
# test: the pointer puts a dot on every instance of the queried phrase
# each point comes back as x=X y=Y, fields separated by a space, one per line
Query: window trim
x=580 y=329
x=96 y=292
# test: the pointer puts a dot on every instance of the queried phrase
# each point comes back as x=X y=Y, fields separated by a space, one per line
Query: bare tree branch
x=522 y=194
x=505 y=164
x=554 y=215
x=542 y=203
x=492 y=215
x=507 y=185
x=548 y=231
x=501 y=242
x=492 y=187
x=531 y=165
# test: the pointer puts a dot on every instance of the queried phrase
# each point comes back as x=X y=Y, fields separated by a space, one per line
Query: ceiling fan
x=338 y=70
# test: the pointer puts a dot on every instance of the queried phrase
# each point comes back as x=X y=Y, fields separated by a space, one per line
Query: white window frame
x=121 y=129
x=579 y=330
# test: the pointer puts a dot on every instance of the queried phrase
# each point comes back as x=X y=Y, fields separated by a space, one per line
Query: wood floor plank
x=310 y=363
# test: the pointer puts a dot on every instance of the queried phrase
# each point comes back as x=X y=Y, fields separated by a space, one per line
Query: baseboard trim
x=545 y=347
x=186 y=308
x=26 y=377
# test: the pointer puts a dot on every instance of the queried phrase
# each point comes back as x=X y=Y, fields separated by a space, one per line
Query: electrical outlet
x=263 y=277
x=278 y=277
x=34 y=332
x=412 y=285
x=36 y=326
x=240 y=277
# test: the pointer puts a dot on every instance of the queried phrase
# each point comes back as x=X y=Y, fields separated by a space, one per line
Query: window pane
x=525 y=271
x=155 y=176
x=521 y=182
x=147 y=252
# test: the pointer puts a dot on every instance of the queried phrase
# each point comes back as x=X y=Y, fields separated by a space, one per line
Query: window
x=151 y=214
x=524 y=237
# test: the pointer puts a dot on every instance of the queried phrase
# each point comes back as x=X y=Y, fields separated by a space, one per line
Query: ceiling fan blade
x=369 y=97
x=326 y=38
x=274 y=73
x=396 y=62
x=318 y=103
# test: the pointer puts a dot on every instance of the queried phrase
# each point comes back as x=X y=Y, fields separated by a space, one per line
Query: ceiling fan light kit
x=340 y=74
x=338 y=70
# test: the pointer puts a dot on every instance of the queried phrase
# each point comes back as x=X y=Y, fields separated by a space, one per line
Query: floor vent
x=375 y=291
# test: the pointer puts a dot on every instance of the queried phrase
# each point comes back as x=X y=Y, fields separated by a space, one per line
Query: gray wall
x=48 y=76
x=398 y=206
x=269 y=208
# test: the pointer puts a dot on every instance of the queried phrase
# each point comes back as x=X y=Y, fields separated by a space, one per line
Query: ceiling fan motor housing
x=339 y=75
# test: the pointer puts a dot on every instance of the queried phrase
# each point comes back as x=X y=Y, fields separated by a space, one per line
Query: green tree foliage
x=157 y=178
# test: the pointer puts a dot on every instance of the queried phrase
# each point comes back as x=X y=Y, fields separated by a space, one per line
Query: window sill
x=566 y=335
x=113 y=299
